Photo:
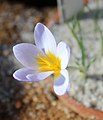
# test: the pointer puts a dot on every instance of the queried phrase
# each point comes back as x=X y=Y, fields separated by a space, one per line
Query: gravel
x=87 y=91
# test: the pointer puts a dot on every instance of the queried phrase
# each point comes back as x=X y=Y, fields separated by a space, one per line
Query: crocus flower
x=43 y=59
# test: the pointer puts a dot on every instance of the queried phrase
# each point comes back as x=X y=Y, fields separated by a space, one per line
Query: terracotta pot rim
x=73 y=104
x=81 y=109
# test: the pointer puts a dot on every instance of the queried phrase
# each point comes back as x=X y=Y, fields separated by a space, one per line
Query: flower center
x=49 y=63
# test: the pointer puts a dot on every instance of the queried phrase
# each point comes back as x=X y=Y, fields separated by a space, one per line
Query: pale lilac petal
x=61 y=84
x=39 y=76
x=44 y=38
x=63 y=52
x=68 y=49
x=26 y=54
x=68 y=87
x=22 y=73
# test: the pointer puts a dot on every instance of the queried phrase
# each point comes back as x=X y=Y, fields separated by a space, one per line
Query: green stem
x=74 y=35
x=82 y=69
x=81 y=44
x=101 y=35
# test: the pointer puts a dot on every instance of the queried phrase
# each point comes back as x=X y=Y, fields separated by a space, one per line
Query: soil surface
x=25 y=101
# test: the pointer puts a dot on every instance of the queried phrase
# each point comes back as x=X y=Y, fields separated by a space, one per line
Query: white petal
x=44 y=38
x=39 y=76
x=63 y=52
x=61 y=84
x=26 y=54
x=22 y=73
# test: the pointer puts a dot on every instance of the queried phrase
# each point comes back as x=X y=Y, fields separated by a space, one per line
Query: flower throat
x=49 y=63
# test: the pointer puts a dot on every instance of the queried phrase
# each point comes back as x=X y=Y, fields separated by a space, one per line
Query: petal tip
x=14 y=48
x=14 y=76
x=59 y=94
x=39 y=25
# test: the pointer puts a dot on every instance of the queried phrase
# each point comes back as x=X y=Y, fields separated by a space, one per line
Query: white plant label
x=69 y=8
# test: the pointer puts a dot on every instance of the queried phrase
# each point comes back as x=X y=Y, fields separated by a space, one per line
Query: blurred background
x=26 y=101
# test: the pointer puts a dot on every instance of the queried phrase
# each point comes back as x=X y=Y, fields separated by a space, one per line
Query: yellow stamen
x=49 y=63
